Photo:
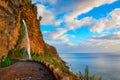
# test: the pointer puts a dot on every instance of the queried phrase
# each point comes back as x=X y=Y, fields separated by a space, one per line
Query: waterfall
x=28 y=41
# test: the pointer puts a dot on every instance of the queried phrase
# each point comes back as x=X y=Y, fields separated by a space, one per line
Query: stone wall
x=59 y=75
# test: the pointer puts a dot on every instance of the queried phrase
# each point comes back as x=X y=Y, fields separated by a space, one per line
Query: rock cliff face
x=11 y=36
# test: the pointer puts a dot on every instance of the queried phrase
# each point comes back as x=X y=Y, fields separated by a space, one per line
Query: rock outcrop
x=11 y=12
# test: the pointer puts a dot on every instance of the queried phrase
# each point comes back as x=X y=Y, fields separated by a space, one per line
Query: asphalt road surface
x=26 y=70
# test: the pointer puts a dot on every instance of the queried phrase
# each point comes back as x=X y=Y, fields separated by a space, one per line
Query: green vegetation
x=87 y=76
x=52 y=59
x=5 y=61
x=29 y=4
x=22 y=32
x=11 y=52
x=55 y=60
x=17 y=53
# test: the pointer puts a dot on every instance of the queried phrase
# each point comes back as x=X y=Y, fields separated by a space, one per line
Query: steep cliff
x=12 y=35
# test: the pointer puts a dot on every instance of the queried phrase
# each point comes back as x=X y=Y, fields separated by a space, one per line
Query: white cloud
x=104 y=45
x=44 y=1
x=71 y=26
x=79 y=23
x=35 y=1
x=108 y=37
x=57 y=34
x=73 y=23
x=113 y=21
x=85 y=6
x=91 y=46
x=65 y=39
x=98 y=27
x=117 y=33
x=48 y=18
x=57 y=22
x=60 y=33
x=48 y=1
x=47 y=15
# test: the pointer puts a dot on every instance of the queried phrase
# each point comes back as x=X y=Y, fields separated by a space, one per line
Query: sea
x=105 y=65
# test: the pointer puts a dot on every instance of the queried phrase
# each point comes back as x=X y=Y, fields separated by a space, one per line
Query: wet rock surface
x=26 y=70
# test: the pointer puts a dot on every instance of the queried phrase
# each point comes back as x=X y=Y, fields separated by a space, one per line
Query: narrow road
x=26 y=70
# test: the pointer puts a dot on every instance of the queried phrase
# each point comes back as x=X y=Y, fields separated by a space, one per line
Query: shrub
x=5 y=61
x=17 y=53
x=10 y=52
x=87 y=76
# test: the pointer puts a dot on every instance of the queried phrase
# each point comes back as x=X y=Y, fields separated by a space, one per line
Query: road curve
x=26 y=70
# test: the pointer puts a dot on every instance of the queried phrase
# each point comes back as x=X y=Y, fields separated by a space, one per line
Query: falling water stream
x=28 y=41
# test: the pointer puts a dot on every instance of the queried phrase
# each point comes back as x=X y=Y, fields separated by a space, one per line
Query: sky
x=80 y=26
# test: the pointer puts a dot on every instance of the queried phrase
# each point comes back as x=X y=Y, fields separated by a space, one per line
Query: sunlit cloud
x=112 y=21
x=81 y=8
x=48 y=18
x=79 y=23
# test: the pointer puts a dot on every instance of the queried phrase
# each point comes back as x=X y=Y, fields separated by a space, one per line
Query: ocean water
x=106 y=65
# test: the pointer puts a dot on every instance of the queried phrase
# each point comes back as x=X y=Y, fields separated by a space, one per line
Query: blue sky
x=80 y=26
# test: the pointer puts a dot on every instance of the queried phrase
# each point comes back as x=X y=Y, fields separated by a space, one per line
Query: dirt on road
x=26 y=70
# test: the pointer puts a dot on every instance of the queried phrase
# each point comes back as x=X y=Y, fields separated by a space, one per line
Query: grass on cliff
x=17 y=53
x=22 y=32
x=55 y=60
x=29 y=4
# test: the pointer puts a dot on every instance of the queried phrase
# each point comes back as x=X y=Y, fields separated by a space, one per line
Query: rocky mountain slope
x=12 y=34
